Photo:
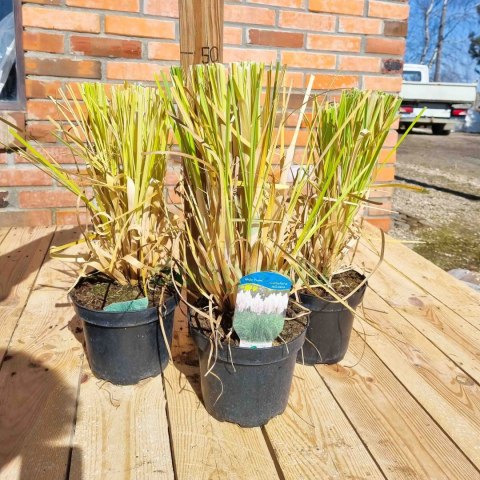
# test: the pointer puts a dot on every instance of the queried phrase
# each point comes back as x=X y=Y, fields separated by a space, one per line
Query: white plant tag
x=262 y=300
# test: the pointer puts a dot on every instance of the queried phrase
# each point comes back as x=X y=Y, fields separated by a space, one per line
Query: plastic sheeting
x=7 y=48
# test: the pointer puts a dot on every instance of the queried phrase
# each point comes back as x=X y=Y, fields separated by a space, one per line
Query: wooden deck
x=404 y=404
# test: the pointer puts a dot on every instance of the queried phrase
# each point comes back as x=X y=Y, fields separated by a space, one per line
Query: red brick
x=296 y=101
x=162 y=8
x=250 y=15
x=15 y=117
x=106 y=47
x=301 y=139
x=45 y=89
x=392 y=139
x=360 y=64
x=43 y=42
x=13 y=177
x=333 y=82
x=383 y=223
x=60 y=19
x=281 y=3
x=395 y=29
x=41 y=89
x=387 y=84
x=348 y=7
x=360 y=25
x=380 y=210
x=380 y=193
x=391 y=46
x=295 y=79
x=386 y=156
x=309 y=60
x=139 y=27
x=134 y=71
x=247 y=54
x=44 y=109
x=398 y=11
x=3 y=158
x=62 y=67
x=41 y=132
x=163 y=51
x=275 y=39
x=232 y=35
x=119 y=5
x=333 y=43
x=32 y=218
x=307 y=21
x=72 y=217
x=59 y=154
x=46 y=198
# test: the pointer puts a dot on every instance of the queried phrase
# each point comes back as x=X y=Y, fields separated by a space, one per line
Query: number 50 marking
x=209 y=54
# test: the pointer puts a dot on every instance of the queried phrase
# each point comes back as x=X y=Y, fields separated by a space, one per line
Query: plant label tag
x=261 y=305
x=130 y=306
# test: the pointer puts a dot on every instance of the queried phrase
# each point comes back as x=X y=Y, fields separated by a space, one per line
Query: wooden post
x=201 y=31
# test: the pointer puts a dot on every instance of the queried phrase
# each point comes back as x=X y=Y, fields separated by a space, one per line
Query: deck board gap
x=169 y=424
x=74 y=423
x=3 y=233
x=271 y=450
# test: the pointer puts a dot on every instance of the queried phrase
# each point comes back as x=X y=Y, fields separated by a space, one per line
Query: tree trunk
x=441 y=38
x=426 y=45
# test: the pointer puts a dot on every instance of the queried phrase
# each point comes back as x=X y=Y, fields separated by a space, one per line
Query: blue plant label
x=129 y=306
x=261 y=305
x=271 y=280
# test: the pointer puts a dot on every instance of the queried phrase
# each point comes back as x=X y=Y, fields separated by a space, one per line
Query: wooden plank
x=201 y=31
x=454 y=336
x=451 y=397
x=401 y=436
x=204 y=448
x=444 y=287
x=313 y=438
x=39 y=381
x=21 y=255
x=121 y=432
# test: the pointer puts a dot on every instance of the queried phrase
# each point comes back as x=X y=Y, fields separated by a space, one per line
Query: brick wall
x=346 y=43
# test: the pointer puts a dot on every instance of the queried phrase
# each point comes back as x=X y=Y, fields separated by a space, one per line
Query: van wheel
x=439 y=129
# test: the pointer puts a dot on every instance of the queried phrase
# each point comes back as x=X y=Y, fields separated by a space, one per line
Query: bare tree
x=435 y=28
x=441 y=39
x=426 y=31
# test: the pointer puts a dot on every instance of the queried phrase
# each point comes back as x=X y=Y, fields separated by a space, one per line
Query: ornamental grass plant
x=240 y=210
x=111 y=132
x=344 y=145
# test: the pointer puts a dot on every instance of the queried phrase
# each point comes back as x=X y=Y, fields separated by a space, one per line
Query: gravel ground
x=442 y=224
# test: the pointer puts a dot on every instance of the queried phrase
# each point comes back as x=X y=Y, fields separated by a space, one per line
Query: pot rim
x=349 y=295
x=105 y=319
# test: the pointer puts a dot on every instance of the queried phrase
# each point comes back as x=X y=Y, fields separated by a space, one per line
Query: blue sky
x=462 y=18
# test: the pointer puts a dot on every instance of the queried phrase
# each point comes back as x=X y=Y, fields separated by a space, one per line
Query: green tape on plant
x=260 y=308
x=130 y=306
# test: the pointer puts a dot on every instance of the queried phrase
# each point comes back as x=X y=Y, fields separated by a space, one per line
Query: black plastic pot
x=329 y=329
x=126 y=347
x=247 y=386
